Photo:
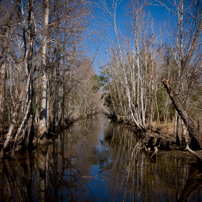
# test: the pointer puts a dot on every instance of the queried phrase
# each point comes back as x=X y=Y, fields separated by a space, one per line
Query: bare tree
x=174 y=94
x=43 y=125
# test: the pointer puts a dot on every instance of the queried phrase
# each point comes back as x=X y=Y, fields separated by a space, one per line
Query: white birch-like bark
x=26 y=92
x=181 y=58
x=138 y=124
x=42 y=130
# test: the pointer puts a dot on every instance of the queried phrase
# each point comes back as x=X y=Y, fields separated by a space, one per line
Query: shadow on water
x=98 y=161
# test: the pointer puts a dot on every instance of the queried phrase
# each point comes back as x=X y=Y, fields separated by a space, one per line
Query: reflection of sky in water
x=97 y=166
x=100 y=186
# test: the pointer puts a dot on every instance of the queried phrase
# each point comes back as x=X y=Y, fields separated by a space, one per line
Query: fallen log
x=197 y=154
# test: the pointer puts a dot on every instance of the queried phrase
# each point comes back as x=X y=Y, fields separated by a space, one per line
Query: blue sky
x=105 y=33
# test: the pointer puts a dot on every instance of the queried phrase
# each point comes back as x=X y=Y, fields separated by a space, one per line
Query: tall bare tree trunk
x=3 y=63
x=27 y=121
x=181 y=62
x=63 y=90
x=56 y=104
x=26 y=92
x=184 y=64
x=3 y=75
x=138 y=70
x=42 y=130
x=28 y=131
x=151 y=94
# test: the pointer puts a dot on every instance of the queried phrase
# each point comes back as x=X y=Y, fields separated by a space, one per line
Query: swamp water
x=97 y=161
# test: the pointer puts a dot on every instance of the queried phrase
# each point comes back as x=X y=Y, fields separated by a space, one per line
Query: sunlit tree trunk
x=184 y=130
x=151 y=94
x=28 y=131
x=26 y=92
x=27 y=122
x=42 y=130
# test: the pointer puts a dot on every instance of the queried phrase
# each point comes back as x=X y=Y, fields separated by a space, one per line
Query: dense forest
x=152 y=75
x=45 y=76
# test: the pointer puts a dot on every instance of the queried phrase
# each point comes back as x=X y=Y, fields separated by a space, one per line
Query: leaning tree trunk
x=193 y=133
x=26 y=92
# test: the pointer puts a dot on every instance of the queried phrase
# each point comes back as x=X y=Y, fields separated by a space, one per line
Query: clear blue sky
x=100 y=25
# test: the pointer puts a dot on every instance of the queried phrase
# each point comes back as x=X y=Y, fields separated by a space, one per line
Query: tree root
x=151 y=146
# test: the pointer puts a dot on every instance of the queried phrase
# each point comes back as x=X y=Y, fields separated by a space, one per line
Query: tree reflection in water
x=103 y=164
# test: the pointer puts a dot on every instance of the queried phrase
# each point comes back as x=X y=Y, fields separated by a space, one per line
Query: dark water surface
x=96 y=161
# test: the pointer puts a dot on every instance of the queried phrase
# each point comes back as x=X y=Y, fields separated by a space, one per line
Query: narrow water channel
x=97 y=161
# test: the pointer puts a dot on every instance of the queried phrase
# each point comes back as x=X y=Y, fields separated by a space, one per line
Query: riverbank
x=19 y=147
x=160 y=137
